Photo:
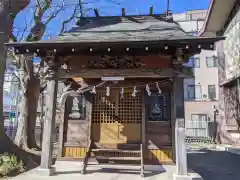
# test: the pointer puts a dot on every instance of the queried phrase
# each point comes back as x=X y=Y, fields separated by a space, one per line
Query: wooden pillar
x=180 y=150
x=49 y=125
x=173 y=122
x=89 y=98
x=143 y=122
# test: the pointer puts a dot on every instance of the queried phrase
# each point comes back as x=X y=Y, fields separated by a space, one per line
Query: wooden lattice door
x=130 y=118
x=116 y=120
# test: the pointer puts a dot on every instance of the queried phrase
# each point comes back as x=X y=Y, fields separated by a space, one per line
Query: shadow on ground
x=215 y=165
x=112 y=170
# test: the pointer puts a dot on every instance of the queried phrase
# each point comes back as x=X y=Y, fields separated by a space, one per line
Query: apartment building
x=223 y=19
x=201 y=91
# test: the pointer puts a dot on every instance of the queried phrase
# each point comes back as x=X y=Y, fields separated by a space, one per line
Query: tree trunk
x=30 y=84
x=7 y=146
x=33 y=89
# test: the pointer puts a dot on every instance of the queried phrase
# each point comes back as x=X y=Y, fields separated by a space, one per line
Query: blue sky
x=105 y=7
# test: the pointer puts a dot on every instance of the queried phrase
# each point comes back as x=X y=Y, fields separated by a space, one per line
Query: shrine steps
x=130 y=155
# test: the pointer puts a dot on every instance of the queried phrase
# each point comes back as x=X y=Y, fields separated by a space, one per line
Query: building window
x=211 y=62
x=211 y=91
x=157 y=107
x=195 y=62
x=194 y=92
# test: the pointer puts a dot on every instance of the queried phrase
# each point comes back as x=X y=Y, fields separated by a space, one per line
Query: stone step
x=118 y=158
x=115 y=150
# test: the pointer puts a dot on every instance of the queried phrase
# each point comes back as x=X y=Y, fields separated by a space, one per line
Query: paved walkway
x=70 y=171
x=209 y=164
x=215 y=165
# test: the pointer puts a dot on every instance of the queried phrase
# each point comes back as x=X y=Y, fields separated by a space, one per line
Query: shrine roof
x=122 y=30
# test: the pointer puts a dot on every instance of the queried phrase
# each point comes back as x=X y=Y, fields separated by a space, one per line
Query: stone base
x=45 y=172
x=191 y=176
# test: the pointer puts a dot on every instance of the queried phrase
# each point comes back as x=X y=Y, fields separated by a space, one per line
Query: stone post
x=180 y=148
x=181 y=154
x=48 y=130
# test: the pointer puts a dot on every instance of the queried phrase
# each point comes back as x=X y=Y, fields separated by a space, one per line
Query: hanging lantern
x=94 y=90
x=148 y=90
x=107 y=91
x=159 y=90
x=134 y=91
x=122 y=92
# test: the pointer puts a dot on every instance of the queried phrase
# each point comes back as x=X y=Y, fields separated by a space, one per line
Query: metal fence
x=199 y=134
x=198 y=128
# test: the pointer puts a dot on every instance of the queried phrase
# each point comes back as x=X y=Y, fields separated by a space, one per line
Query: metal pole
x=168 y=5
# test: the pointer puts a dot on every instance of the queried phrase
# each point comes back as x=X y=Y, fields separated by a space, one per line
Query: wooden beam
x=151 y=11
x=143 y=121
x=173 y=120
x=86 y=158
x=65 y=110
x=89 y=100
x=128 y=73
x=123 y=12
x=49 y=123
x=61 y=131
x=96 y=12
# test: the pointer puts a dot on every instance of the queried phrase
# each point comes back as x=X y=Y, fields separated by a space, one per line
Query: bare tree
x=30 y=76
x=8 y=146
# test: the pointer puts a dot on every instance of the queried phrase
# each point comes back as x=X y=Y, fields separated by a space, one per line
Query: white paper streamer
x=94 y=90
x=134 y=91
x=107 y=91
x=159 y=90
x=122 y=92
x=148 y=90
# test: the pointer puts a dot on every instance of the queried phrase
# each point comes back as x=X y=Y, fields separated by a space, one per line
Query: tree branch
x=38 y=29
x=54 y=14
x=68 y=20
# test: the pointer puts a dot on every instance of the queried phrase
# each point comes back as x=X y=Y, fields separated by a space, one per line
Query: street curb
x=229 y=148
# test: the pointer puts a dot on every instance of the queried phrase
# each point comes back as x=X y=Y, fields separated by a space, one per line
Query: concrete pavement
x=209 y=164
x=71 y=170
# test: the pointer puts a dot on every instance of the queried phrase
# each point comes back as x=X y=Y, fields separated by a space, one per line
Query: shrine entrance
x=116 y=119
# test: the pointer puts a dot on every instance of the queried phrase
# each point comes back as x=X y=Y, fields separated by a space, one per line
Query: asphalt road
x=215 y=165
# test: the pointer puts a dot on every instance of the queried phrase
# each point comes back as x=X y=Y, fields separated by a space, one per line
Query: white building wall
x=232 y=48
x=192 y=22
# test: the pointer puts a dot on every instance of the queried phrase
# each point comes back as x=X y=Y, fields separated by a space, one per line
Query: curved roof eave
x=217 y=16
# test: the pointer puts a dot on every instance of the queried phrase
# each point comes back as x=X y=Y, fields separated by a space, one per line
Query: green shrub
x=9 y=165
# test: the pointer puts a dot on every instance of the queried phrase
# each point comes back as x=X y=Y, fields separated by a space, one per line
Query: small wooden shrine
x=127 y=74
